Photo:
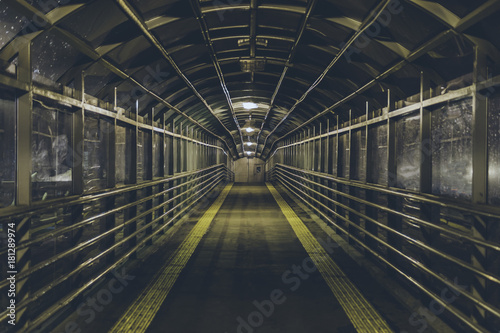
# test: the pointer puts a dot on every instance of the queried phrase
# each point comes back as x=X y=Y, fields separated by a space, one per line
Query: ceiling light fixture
x=249 y=105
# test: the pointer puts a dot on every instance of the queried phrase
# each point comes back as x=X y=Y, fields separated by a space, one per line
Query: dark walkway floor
x=237 y=268
x=242 y=260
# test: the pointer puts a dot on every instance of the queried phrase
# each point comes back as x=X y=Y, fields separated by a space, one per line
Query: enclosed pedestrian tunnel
x=119 y=119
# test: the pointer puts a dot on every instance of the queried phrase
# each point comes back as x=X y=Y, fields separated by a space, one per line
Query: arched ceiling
x=299 y=61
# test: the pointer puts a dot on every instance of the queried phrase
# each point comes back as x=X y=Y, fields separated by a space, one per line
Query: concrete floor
x=238 y=268
x=241 y=260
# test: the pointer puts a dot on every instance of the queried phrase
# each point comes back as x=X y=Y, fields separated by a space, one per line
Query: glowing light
x=249 y=153
x=249 y=129
x=250 y=105
x=249 y=144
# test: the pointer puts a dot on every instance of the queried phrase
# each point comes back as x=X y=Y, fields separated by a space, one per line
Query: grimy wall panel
x=249 y=170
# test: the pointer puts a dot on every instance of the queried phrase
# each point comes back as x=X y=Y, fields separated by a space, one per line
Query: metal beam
x=131 y=13
x=85 y=49
x=372 y=18
x=476 y=16
x=300 y=33
x=195 y=4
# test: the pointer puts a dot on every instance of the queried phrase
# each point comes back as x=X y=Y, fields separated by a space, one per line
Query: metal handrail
x=204 y=181
x=69 y=298
x=94 y=218
x=39 y=293
x=83 y=245
x=48 y=205
x=418 y=243
x=485 y=210
x=457 y=313
x=310 y=195
x=487 y=244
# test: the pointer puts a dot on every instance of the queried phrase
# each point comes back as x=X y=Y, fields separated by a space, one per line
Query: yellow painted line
x=140 y=314
x=361 y=313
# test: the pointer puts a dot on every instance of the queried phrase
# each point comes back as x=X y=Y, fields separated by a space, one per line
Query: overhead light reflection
x=250 y=105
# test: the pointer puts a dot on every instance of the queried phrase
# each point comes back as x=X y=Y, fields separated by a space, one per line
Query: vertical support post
x=329 y=164
x=108 y=203
x=371 y=196
x=169 y=165
x=78 y=149
x=24 y=128
x=131 y=179
x=425 y=140
x=480 y=258
x=338 y=162
x=77 y=142
x=162 y=170
x=149 y=141
x=428 y=212
x=393 y=202
x=351 y=189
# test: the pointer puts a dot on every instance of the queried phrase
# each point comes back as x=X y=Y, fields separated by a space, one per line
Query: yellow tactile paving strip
x=139 y=315
x=361 y=313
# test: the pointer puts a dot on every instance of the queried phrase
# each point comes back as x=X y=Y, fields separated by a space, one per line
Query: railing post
x=482 y=227
x=131 y=178
x=23 y=176
x=149 y=139
x=109 y=202
x=353 y=232
x=393 y=202
x=78 y=148
x=161 y=170
x=428 y=212
x=169 y=167
x=371 y=196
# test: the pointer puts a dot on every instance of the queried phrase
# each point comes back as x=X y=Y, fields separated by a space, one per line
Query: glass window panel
x=494 y=149
x=51 y=152
x=452 y=149
x=46 y=6
x=95 y=152
x=359 y=154
x=408 y=152
x=147 y=155
x=140 y=155
x=12 y=23
x=157 y=146
x=344 y=155
x=52 y=57
x=98 y=23
x=121 y=148
x=7 y=148
x=378 y=151
x=96 y=78
x=333 y=154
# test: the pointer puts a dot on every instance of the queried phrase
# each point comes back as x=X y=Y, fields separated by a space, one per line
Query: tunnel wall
x=416 y=186
x=249 y=170
x=88 y=186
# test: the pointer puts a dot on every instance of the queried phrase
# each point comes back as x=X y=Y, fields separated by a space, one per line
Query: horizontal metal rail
x=487 y=211
x=415 y=282
x=100 y=237
x=95 y=218
x=192 y=186
x=418 y=243
x=50 y=205
x=68 y=299
x=296 y=181
x=416 y=220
